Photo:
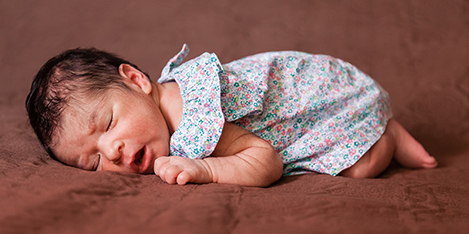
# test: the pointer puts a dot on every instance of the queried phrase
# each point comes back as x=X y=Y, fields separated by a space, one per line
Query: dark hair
x=64 y=77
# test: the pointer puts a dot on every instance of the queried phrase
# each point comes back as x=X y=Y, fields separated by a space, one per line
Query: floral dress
x=320 y=114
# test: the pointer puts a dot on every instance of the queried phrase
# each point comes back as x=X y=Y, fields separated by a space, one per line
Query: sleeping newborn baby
x=247 y=122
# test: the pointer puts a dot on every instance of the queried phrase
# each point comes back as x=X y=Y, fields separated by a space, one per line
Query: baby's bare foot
x=409 y=152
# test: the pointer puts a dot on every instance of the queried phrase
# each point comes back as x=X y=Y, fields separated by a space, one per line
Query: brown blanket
x=417 y=50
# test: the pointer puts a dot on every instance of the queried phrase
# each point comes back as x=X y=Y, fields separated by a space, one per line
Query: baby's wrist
x=209 y=172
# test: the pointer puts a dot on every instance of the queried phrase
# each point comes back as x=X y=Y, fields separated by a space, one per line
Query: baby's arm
x=239 y=158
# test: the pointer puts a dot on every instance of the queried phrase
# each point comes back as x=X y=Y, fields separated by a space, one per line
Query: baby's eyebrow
x=94 y=111
x=92 y=122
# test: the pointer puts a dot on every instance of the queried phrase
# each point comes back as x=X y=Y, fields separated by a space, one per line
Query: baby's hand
x=180 y=170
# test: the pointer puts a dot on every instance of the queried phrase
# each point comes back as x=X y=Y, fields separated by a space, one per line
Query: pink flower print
x=288 y=80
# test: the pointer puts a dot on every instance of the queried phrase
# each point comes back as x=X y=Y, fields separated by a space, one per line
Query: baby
x=247 y=122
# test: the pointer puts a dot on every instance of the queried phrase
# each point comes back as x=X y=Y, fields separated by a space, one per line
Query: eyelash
x=107 y=129
x=97 y=165
x=110 y=122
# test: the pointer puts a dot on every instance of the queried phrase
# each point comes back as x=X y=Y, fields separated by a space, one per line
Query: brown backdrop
x=417 y=50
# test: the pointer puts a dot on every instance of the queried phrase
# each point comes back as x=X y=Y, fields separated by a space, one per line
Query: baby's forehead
x=76 y=116
x=84 y=109
x=78 y=120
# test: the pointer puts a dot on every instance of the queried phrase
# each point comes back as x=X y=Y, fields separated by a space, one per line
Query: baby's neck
x=169 y=100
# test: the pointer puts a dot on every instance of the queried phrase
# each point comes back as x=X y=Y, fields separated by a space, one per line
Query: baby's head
x=75 y=100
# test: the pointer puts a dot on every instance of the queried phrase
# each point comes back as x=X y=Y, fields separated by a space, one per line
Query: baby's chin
x=147 y=172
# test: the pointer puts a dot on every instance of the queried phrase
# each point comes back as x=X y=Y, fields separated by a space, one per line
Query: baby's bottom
x=397 y=142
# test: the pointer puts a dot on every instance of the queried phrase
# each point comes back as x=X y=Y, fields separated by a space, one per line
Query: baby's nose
x=115 y=152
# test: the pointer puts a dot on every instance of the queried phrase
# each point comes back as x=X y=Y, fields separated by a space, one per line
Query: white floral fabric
x=320 y=114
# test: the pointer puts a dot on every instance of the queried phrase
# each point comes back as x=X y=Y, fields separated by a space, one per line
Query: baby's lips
x=145 y=160
x=138 y=158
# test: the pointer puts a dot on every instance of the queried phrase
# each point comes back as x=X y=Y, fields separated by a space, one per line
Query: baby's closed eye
x=110 y=122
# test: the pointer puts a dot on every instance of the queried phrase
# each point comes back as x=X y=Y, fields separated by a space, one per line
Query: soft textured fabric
x=417 y=50
x=320 y=114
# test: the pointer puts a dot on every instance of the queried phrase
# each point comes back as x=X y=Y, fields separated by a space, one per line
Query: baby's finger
x=159 y=162
x=171 y=173
x=183 y=178
x=161 y=169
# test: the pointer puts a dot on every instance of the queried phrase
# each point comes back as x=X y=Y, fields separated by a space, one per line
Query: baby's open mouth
x=139 y=156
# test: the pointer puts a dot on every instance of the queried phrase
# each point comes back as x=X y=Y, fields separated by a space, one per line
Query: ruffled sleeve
x=202 y=120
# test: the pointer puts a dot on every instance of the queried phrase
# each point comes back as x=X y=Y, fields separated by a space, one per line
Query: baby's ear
x=135 y=77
